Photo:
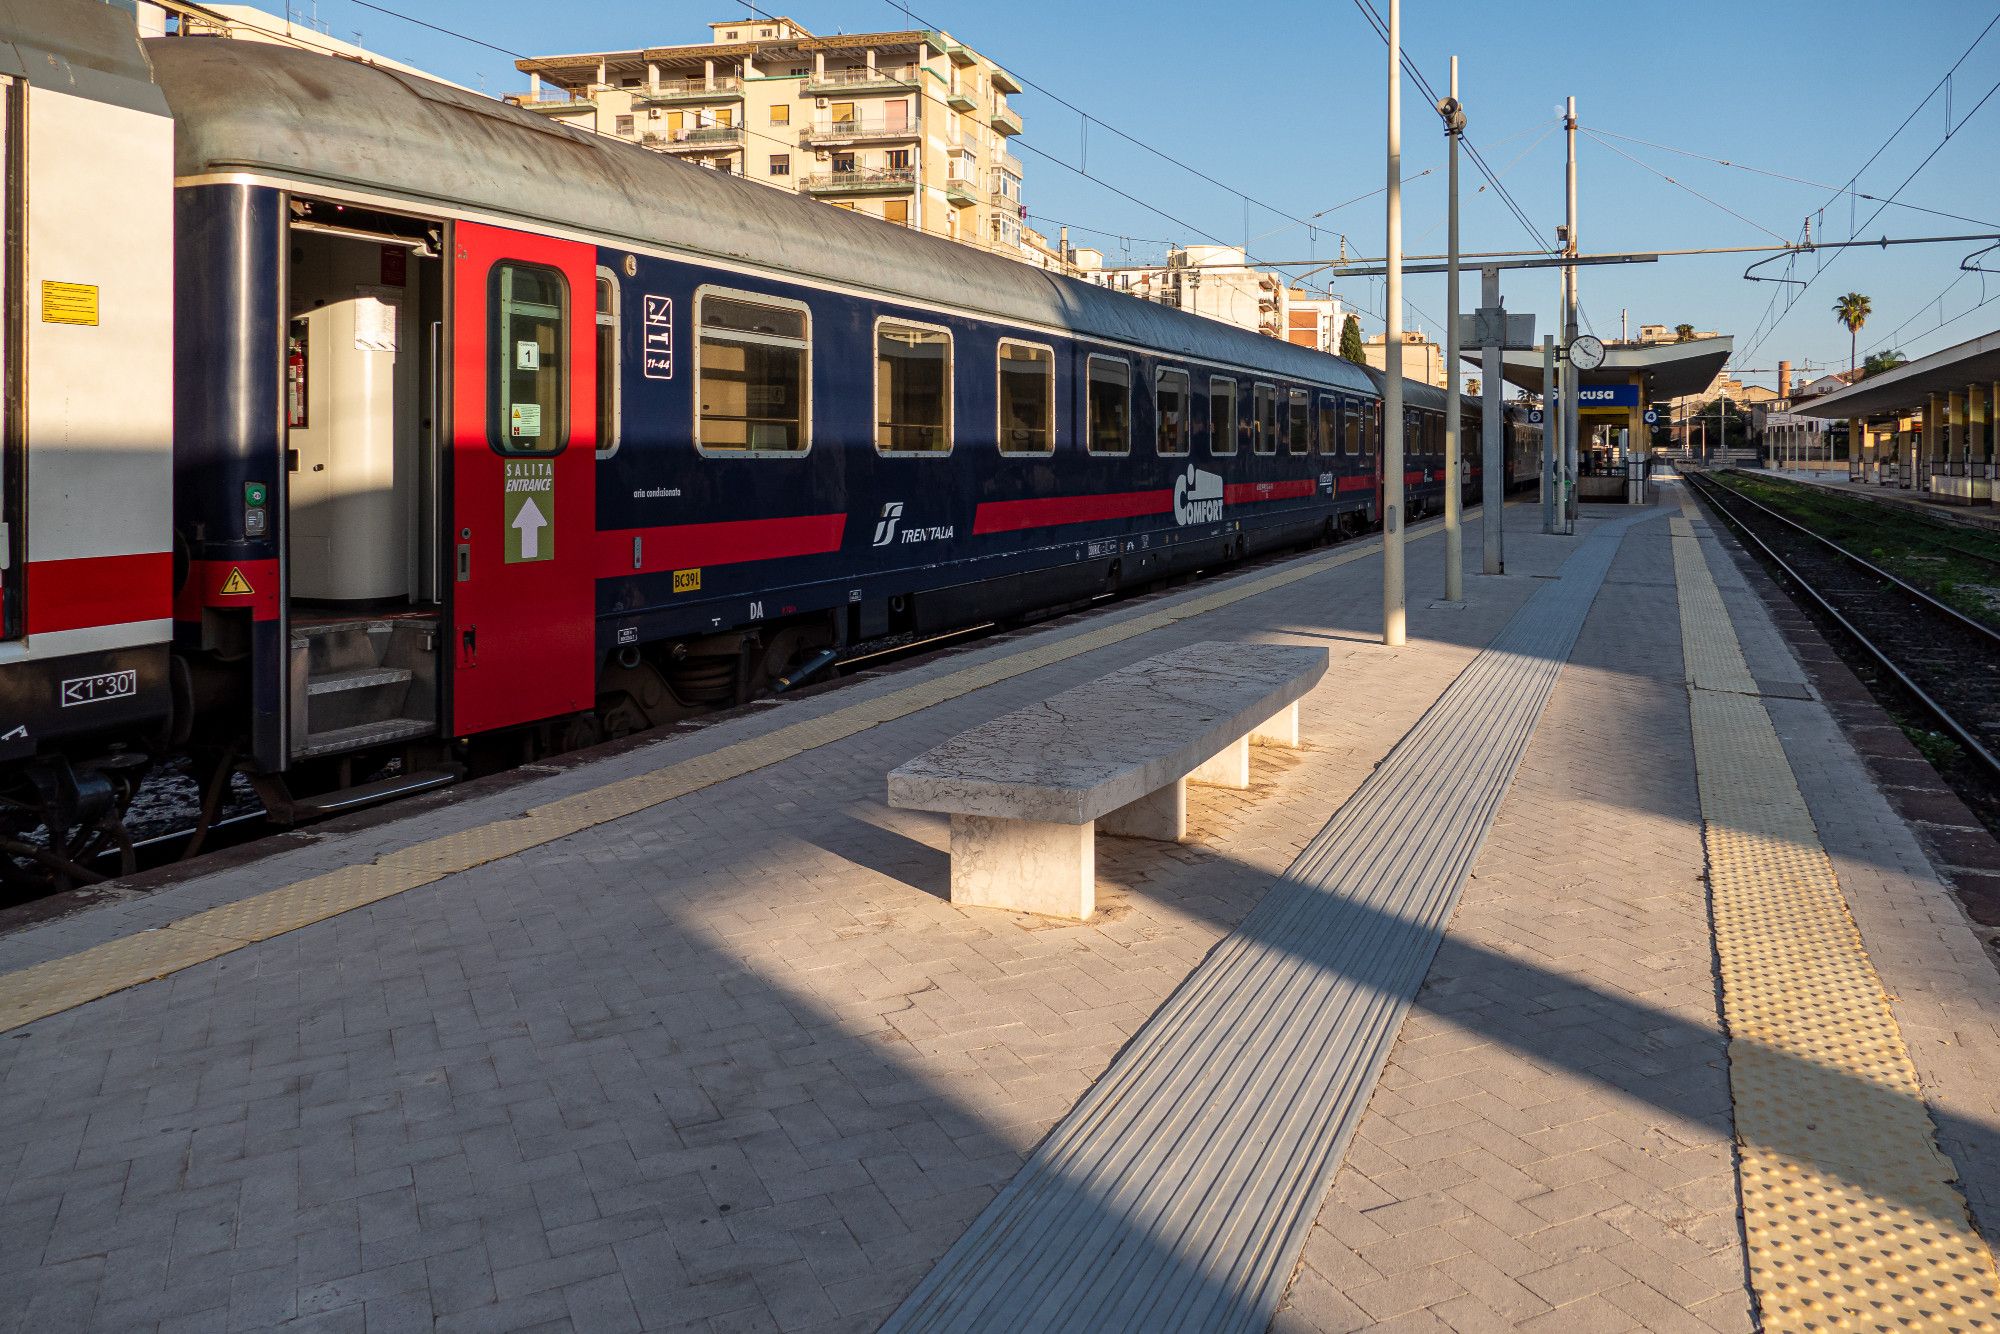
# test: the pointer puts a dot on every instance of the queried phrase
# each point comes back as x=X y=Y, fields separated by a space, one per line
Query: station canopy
x=1668 y=370
x=1905 y=389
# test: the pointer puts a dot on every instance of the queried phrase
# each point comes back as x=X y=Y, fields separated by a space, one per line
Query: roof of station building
x=1975 y=361
x=1666 y=370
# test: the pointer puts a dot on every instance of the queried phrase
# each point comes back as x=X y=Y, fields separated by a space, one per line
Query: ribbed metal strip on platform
x=1178 y=1193
x=1849 y=1213
x=28 y=994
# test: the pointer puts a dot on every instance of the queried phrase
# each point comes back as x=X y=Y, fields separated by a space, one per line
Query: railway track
x=1948 y=663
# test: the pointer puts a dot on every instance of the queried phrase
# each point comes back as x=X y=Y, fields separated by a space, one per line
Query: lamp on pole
x=1393 y=632
x=1454 y=554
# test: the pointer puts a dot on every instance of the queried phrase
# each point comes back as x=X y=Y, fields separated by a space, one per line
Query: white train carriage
x=86 y=504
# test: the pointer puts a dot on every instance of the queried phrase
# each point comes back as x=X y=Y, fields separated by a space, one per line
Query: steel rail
x=1709 y=490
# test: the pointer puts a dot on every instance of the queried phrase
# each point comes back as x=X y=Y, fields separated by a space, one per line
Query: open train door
x=524 y=387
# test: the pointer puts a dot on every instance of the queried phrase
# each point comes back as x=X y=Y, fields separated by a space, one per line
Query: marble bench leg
x=1023 y=866
x=1229 y=768
x=1281 y=730
x=1158 y=815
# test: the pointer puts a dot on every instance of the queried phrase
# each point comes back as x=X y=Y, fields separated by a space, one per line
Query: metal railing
x=855 y=131
x=872 y=178
x=895 y=76
x=700 y=136
x=722 y=83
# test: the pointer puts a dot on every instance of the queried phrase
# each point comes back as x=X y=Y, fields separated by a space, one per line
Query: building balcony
x=701 y=139
x=557 y=106
x=834 y=134
x=1005 y=121
x=1000 y=199
x=1007 y=162
x=1004 y=81
x=874 y=181
x=959 y=53
x=959 y=100
x=834 y=83
x=680 y=92
x=960 y=192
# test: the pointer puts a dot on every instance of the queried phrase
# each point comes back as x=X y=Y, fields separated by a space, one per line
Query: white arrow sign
x=529 y=523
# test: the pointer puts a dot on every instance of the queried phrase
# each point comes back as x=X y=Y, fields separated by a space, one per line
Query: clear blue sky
x=1283 y=102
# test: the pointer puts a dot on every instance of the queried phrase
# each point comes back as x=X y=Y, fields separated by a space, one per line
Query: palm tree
x=1852 y=310
x=1882 y=361
x=1684 y=332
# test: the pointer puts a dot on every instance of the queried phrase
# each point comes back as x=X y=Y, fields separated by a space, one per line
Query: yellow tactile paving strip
x=1850 y=1215
x=33 y=993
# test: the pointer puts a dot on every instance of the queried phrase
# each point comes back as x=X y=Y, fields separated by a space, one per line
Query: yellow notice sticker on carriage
x=69 y=303
x=687 y=581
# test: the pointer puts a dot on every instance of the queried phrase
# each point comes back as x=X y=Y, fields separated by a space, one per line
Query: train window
x=1328 y=434
x=1110 y=406
x=1264 y=419
x=1298 y=422
x=1170 y=404
x=912 y=388
x=1351 y=423
x=752 y=369
x=1413 y=443
x=1221 y=416
x=528 y=356
x=608 y=387
x=1027 y=398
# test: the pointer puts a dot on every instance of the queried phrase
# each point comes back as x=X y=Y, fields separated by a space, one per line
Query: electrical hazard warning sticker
x=236 y=585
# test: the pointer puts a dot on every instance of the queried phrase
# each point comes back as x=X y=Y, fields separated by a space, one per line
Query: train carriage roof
x=252 y=107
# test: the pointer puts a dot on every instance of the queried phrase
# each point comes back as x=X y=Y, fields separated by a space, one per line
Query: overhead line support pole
x=1572 y=383
x=1492 y=467
x=1454 y=550
x=1393 y=628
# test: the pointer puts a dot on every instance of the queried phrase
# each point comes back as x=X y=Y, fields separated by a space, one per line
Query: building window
x=674 y=123
x=843 y=162
x=528 y=349
x=1170 y=411
x=1027 y=398
x=753 y=366
x=1222 y=416
x=1264 y=419
x=781 y=164
x=899 y=159
x=723 y=116
x=1109 y=411
x=781 y=114
x=841 y=113
x=1298 y=422
x=608 y=424
x=912 y=388
x=624 y=124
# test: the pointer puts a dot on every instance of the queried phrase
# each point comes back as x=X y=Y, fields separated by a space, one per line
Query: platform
x=1978 y=514
x=1423 y=1030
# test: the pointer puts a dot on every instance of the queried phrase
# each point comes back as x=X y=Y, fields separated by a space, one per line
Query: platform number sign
x=659 y=349
x=528 y=510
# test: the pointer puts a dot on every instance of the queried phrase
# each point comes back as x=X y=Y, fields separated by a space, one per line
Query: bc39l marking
x=97 y=689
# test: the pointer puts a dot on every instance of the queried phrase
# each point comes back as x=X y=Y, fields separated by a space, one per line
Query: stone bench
x=1027 y=792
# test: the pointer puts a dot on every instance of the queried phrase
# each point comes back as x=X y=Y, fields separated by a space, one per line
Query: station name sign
x=1608 y=396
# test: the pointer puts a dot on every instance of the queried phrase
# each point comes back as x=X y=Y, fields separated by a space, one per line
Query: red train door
x=524 y=505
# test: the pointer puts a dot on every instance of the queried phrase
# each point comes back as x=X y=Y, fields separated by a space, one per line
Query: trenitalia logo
x=885 y=527
x=1197 y=497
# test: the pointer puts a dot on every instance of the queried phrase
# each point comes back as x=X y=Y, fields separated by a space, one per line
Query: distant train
x=360 y=427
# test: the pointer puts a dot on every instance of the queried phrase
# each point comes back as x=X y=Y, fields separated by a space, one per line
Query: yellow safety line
x=32 y=993
x=1850 y=1215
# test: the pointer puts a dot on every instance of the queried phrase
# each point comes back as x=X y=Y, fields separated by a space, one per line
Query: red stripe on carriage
x=1009 y=516
x=99 y=590
x=689 y=545
x=1245 y=493
x=1363 y=483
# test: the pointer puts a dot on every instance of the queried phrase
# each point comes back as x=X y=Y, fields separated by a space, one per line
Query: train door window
x=1027 y=398
x=1413 y=442
x=1264 y=421
x=608 y=388
x=1170 y=412
x=912 y=388
x=1298 y=421
x=753 y=369
x=1352 y=421
x=1221 y=416
x=528 y=350
x=1329 y=424
x=1110 y=405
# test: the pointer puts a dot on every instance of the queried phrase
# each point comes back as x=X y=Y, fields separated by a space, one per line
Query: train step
x=358 y=736
x=281 y=806
x=360 y=678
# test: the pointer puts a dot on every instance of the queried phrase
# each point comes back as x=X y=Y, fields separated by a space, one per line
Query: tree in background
x=1852 y=310
x=1473 y=386
x=1684 y=333
x=1882 y=361
x=1350 y=340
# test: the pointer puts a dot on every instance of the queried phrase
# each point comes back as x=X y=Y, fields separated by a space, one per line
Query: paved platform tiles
x=730 y=1062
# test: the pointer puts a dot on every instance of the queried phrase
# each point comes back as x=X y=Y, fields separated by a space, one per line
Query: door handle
x=464 y=561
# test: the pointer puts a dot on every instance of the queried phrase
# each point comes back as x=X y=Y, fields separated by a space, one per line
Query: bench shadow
x=888 y=852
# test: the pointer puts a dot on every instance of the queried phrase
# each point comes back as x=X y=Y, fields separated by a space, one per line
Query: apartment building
x=1422 y=359
x=1219 y=282
x=911 y=127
